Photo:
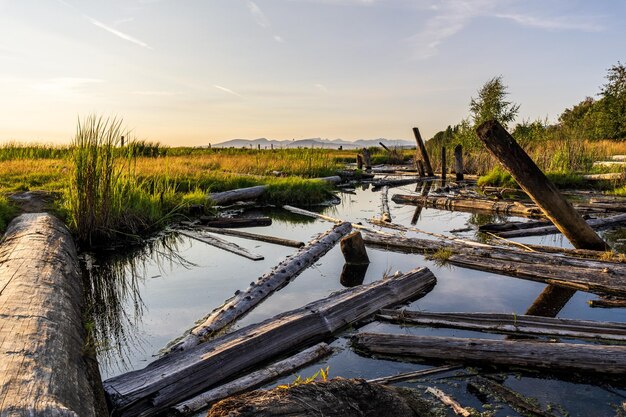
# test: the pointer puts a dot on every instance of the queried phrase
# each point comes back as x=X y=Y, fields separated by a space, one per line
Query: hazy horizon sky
x=195 y=72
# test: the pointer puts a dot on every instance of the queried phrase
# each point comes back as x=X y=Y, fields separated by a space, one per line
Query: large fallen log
x=472 y=205
x=43 y=369
x=597 y=359
x=251 y=193
x=244 y=301
x=596 y=224
x=335 y=398
x=176 y=377
x=591 y=275
x=254 y=379
x=223 y=244
x=511 y=324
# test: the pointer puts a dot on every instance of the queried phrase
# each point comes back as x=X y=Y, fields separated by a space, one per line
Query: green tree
x=613 y=102
x=491 y=103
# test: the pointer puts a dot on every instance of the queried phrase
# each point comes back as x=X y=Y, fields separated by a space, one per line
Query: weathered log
x=458 y=162
x=43 y=369
x=444 y=166
x=253 y=236
x=394 y=182
x=384 y=146
x=595 y=359
x=603 y=277
x=597 y=224
x=608 y=302
x=244 y=301
x=423 y=153
x=367 y=159
x=413 y=375
x=223 y=244
x=176 y=377
x=542 y=191
x=335 y=398
x=420 y=168
x=254 y=379
x=384 y=196
x=498 y=228
x=458 y=409
x=353 y=249
x=224 y=222
x=472 y=205
x=307 y=213
x=511 y=324
x=611 y=176
x=252 y=193
x=521 y=404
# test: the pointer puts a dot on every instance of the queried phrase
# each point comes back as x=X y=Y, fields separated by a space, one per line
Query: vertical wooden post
x=359 y=161
x=422 y=149
x=367 y=159
x=538 y=187
x=420 y=168
x=122 y=141
x=271 y=146
x=258 y=146
x=443 y=163
x=353 y=249
x=458 y=162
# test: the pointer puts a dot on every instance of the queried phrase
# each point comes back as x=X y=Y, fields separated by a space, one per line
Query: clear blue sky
x=190 y=72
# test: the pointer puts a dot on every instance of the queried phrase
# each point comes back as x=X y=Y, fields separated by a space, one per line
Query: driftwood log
x=222 y=244
x=591 y=275
x=522 y=325
x=263 y=287
x=525 y=406
x=254 y=379
x=43 y=370
x=181 y=375
x=253 y=236
x=594 y=359
x=597 y=224
x=236 y=221
x=335 y=398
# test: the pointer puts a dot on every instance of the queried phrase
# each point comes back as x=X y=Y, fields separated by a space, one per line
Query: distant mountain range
x=313 y=143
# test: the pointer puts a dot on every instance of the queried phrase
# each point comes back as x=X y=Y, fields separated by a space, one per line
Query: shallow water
x=175 y=293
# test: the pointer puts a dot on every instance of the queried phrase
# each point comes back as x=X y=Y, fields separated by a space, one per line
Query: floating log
x=597 y=224
x=335 y=398
x=458 y=409
x=174 y=378
x=252 y=193
x=423 y=153
x=353 y=249
x=413 y=375
x=234 y=222
x=384 y=196
x=394 y=182
x=524 y=406
x=603 y=277
x=498 y=228
x=253 y=236
x=244 y=301
x=594 y=359
x=43 y=363
x=223 y=244
x=608 y=302
x=307 y=213
x=458 y=162
x=542 y=191
x=471 y=205
x=522 y=325
x=254 y=379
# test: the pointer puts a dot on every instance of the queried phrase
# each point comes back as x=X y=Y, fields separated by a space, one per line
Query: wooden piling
x=43 y=364
x=353 y=249
x=359 y=161
x=420 y=168
x=542 y=191
x=458 y=162
x=443 y=163
x=422 y=150
x=367 y=159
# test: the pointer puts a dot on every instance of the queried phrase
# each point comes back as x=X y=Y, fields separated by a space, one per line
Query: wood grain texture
x=181 y=375
x=42 y=368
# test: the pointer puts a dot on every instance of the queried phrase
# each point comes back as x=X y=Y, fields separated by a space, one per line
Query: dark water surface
x=179 y=281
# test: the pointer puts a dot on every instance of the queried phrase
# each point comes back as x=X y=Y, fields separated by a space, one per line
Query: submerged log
x=498 y=228
x=254 y=379
x=223 y=244
x=594 y=359
x=244 y=301
x=384 y=196
x=597 y=224
x=522 y=325
x=223 y=222
x=176 y=377
x=521 y=404
x=254 y=236
x=542 y=191
x=471 y=205
x=394 y=182
x=413 y=375
x=608 y=302
x=43 y=365
x=335 y=398
x=591 y=275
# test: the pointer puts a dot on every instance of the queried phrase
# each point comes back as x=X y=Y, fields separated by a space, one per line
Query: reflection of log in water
x=418 y=210
x=353 y=274
x=112 y=293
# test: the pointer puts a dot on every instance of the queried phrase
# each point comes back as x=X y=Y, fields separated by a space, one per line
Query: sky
x=193 y=72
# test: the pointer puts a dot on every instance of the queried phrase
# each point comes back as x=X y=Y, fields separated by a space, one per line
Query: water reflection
x=114 y=307
x=353 y=274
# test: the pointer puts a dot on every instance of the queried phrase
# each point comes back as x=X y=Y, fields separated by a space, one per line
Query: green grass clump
x=297 y=191
x=497 y=177
x=7 y=212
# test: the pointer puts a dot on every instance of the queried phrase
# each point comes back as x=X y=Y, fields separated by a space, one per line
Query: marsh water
x=146 y=297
